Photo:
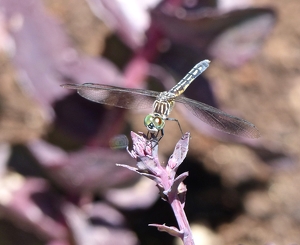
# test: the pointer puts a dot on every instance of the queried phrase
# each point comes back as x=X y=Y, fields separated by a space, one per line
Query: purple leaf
x=236 y=45
x=100 y=211
x=87 y=122
x=90 y=169
x=5 y=151
x=44 y=56
x=129 y=19
x=141 y=146
x=214 y=30
x=179 y=154
x=178 y=188
x=39 y=42
x=31 y=205
x=86 y=233
x=169 y=229
x=139 y=196
x=58 y=242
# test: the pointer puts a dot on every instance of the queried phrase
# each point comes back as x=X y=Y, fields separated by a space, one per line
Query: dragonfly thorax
x=164 y=104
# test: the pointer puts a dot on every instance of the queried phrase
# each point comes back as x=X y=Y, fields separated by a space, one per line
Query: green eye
x=148 y=120
x=159 y=123
x=154 y=123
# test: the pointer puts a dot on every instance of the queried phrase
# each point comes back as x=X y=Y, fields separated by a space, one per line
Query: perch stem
x=182 y=221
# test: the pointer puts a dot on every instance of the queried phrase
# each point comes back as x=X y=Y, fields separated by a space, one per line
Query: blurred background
x=59 y=184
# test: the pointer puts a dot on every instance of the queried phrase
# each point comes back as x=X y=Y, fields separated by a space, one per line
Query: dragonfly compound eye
x=159 y=123
x=148 y=121
x=154 y=123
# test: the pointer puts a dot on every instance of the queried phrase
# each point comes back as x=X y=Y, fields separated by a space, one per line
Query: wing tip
x=255 y=134
x=249 y=132
x=68 y=86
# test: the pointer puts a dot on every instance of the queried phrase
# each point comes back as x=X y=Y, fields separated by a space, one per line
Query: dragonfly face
x=163 y=103
x=154 y=123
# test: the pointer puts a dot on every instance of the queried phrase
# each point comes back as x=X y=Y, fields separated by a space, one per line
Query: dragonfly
x=162 y=104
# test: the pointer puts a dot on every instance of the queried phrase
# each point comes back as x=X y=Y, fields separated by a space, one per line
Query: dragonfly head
x=154 y=123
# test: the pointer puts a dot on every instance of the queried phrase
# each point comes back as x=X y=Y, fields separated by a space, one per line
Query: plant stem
x=182 y=220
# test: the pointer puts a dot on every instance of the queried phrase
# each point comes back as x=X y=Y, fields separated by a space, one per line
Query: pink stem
x=181 y=220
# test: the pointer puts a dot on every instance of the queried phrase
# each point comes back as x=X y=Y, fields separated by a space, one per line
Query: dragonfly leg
x=161 y=135
x=175 y=120
x=154 y=137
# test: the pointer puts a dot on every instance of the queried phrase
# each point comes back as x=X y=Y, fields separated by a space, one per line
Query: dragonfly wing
x=219 y=119
x=115 y=96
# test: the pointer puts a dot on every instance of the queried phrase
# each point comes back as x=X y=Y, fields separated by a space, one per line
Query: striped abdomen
x=180 y=87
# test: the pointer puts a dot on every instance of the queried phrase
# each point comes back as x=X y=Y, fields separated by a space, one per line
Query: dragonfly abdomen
x=180 y=87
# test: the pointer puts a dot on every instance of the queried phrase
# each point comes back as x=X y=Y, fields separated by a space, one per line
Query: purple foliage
x=32 y=205
x=61 y=204
x=84 y=171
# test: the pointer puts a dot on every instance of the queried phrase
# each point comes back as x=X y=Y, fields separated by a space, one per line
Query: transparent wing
x=219 y=119
x=115 y=96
